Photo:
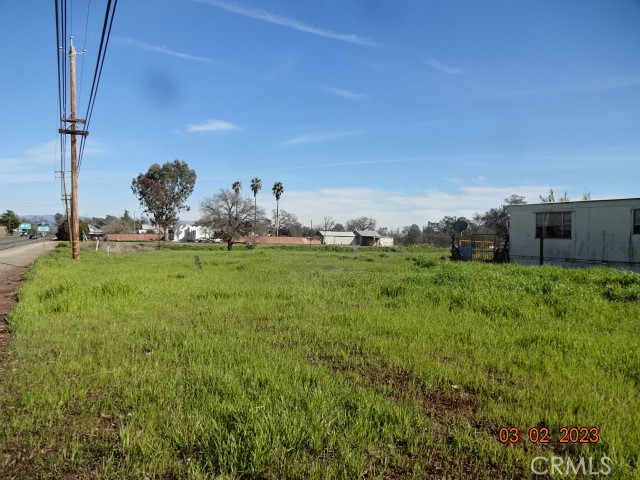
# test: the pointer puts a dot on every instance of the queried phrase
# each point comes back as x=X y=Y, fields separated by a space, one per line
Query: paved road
x=9 y=242
x=21 y=252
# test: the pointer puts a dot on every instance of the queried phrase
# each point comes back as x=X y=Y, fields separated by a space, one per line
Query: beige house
x=585 y=233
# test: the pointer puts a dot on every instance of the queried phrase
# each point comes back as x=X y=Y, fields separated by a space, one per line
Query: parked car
x=33 y=236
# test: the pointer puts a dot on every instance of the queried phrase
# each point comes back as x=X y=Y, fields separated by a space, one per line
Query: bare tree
x=361 y=223
x=229 y=215
x=328 y=223
x=551 y=198
x=288 y=223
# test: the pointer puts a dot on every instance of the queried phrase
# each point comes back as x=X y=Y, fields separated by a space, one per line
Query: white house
x=328 y=237
x=189 y=233
x=584 y=233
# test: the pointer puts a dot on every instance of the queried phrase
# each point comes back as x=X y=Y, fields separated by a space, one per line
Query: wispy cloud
x=211 y=126
x=444 y=68
x=265 y=16
x=579 y=88
x=319 y=137
x=35 y=164
x=346 y=94
x=160 y=50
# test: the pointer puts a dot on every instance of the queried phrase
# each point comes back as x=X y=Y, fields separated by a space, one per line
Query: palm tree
x=237 y=186
x=256 y=186
x=278 y=190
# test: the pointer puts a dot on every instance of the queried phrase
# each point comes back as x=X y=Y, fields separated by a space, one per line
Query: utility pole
x=74 y=224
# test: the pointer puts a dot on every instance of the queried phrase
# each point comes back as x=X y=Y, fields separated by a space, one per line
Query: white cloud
x=443 y=67
x=159 y=49
x=39 y=163
x=289 y=23
x=346 y=94
x=395 y=209
x=211 y=126
x=319 y=137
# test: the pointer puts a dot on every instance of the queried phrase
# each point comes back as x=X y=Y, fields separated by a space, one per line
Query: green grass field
x=274 y=363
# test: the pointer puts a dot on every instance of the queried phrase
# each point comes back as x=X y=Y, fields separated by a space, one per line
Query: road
x=21 y=252
x=9 y=242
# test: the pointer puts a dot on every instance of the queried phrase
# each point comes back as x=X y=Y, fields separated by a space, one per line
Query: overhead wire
x=61 y=49
x=64 y=25
x=84 y=47
x=102 y=50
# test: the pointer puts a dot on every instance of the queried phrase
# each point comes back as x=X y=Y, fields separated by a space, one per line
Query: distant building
x=95 y=233
x=328 y=237
x=365 y=238
x=585 y=233
x=189 y=233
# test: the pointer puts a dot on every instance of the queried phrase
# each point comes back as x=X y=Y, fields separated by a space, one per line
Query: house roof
x=367 y=233
x=604 y=201
x=330 y=233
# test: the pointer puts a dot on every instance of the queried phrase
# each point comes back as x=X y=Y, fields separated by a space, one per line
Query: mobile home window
x=554 y=224
x=636 y=222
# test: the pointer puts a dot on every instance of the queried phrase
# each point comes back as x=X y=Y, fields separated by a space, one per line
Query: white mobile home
x=328 y=237
x=586 y=233
x=358 y=237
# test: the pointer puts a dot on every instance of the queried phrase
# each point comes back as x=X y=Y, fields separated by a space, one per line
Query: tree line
x=164 y=189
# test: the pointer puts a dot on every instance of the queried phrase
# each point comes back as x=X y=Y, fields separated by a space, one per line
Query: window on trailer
x=636 y=222
x=554 y=224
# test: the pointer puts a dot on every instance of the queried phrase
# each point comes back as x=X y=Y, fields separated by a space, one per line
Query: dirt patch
x=400 y=385
x=115 y=247
x=9 y=283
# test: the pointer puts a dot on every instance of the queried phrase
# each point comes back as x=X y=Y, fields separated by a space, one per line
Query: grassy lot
x=273 y=363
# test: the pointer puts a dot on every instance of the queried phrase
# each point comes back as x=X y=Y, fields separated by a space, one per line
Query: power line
x=102 y=51
x=84 y=47
x=64 y=18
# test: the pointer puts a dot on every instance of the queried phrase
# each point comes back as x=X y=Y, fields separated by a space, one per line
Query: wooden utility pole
x=73 y=224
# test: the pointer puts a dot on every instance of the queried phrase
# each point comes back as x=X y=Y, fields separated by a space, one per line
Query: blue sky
x=402 y=111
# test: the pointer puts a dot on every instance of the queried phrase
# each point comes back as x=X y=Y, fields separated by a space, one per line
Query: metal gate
x=486 y=247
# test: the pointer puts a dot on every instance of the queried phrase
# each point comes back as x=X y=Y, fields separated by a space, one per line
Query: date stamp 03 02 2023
x=542 y=435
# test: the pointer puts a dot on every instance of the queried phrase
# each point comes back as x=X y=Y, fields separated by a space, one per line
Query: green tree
x=411 y=235
x=277 y=190
x=163 y=191
x=256 y=186
x=10 y=220
x=496 y=220
x=229 y=215
x=63 y=230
